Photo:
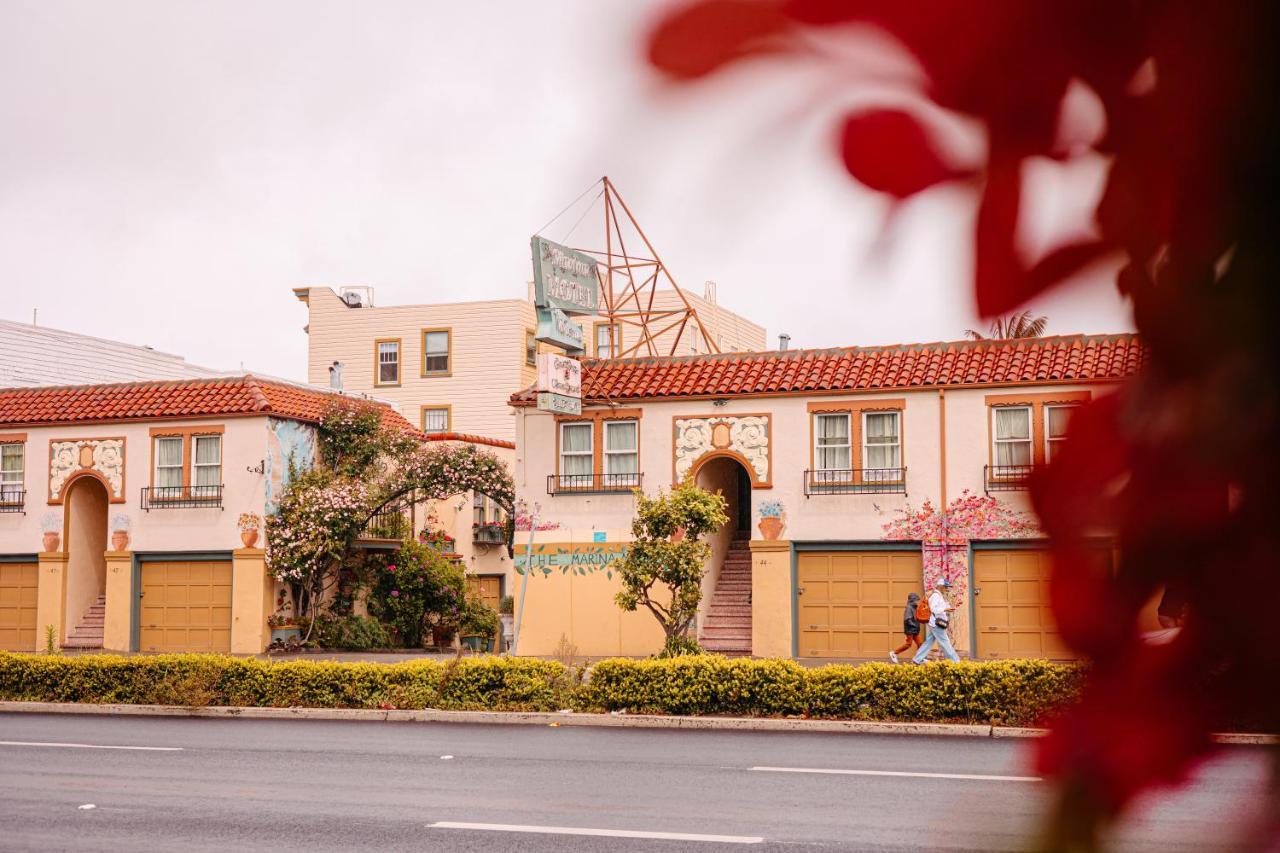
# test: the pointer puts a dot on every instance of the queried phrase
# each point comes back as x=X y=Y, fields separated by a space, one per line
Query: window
x=1012 y=436
x=479 y=505
x=832 y=448
x=206 y=466
x=436 y=351
x=168 y=466
x=530 y=349
x=576 y=454
x=435 y=419
x=12 y=464
x=881 y=447
x=621 y=453
x=1056 y=419
x=608 y=337
x=388 y=362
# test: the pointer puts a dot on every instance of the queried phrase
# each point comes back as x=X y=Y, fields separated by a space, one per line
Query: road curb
x=623 y=721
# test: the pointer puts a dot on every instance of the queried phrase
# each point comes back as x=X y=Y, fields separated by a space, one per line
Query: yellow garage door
x=1011 y=603
x=186 y=607
x=18 y=606
x=850 y=603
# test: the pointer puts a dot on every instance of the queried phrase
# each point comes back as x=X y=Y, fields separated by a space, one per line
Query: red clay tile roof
x=184 y=398
x=471 y=439
x=1066 y=358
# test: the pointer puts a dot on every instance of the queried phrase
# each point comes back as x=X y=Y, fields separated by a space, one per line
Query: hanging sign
x=561 y=405
x=564 y=278
x=555 y=327
x=558 y=374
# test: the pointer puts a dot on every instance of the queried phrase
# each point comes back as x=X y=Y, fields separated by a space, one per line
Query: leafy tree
x=417 y=590
x=663 y=575
x=1020 y=325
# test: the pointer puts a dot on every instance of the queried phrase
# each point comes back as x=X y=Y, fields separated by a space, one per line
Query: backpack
x=922 y=611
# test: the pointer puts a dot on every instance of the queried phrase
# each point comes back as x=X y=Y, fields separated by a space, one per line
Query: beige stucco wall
x=252 y=600
x=771 y=597
x=118 y=619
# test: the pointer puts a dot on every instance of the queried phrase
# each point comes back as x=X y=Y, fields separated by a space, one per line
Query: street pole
x=524 y=584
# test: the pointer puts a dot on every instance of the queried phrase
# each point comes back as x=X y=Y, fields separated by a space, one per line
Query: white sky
x=170 y=170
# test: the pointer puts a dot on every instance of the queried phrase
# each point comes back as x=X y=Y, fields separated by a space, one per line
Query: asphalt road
x=311 y=786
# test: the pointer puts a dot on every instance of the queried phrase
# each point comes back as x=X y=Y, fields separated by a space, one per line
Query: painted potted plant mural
x=249 y=523
x=281 y=622
x=119 y=532
x=51 y=527
x=773 y=519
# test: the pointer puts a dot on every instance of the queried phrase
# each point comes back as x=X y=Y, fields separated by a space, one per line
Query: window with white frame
x=881 y=447
x=388 y=363
x=832 y=448
x=1056 y=419
x=12 y=465
x=576 y=454
x=167 y=477
x=607 y=340
x=435 y=351
x=479 y=510
x=1011 y=433
x=621 y=453
x=435 y=420
x=206 y=466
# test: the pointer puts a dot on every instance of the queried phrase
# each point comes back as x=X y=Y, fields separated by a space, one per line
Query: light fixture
x=719 y=402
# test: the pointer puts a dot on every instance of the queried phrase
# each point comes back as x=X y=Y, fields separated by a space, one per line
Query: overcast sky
x=170 y=170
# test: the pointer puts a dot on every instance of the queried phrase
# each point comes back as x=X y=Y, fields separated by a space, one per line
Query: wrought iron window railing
x=13 y=500
x=489 y=534
x=560 y=484
x=855 y=481
x=181 y=497
x=1006 y=478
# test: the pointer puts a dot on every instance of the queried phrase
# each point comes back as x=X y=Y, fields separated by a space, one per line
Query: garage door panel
x=186 y=607
x=18 y=606
x=859 y=612
x=1024 y=591
x=875 y=590
x=1014 y=618
x=845 y=616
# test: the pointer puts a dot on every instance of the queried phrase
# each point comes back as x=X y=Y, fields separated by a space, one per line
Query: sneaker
x=893 y=656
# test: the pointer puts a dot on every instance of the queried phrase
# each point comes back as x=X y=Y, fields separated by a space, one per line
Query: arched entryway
x=85 y=518
x=725 y=623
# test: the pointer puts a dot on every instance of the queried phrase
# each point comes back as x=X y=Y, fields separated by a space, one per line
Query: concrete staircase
x=88 y=634
x=726 y=628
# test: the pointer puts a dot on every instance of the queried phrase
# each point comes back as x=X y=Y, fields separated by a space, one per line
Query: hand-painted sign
x=558 y=374
x=548 y=402
x=564 y=278
x=578 y=558
x=555 y=327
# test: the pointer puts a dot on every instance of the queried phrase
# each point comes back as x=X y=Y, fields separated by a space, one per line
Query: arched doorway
x=729 y=477
x=725 y=620
x=85 y=519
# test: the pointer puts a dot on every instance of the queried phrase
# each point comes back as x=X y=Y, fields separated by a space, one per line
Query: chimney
x=709 y=292
x=335 y=376
x=784 y=341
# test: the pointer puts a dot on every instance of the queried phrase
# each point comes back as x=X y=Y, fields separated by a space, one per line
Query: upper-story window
x=832 y=447
x=577 y=454
x=12 y=467
x=437 y=352
x=530 y=349
x=186 y=464
x=168 y=463
x=388 y=366
x=1011 y=434
x=206 y=465
x=608 y=338
x=621 y=453
x=881 y=447
x=1055 y=428
x=435 y=419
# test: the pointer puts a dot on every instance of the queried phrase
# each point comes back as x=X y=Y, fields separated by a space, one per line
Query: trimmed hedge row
x=1005 y=692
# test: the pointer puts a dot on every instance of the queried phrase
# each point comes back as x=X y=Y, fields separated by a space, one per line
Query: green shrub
x=350 y=633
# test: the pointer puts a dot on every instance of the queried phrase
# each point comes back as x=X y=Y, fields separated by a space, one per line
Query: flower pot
x=249 y=538
x=51 y=542
x=771 y=527
x=119 y=540
x=678 y=535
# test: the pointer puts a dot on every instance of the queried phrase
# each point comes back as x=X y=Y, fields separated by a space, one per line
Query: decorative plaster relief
x=746 y=435
x=105 y=456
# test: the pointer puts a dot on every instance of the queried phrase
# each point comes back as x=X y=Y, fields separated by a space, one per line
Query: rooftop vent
x=335 y=376
x=784 y=341
x=357 y=297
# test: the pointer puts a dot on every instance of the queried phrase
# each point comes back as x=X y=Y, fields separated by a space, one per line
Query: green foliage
x=479 y=618
x=665 y=576
x=507 y=605
x=51 y=646
x=349 y=633
x=679 y=645
x=352 y=439
x=419 y=589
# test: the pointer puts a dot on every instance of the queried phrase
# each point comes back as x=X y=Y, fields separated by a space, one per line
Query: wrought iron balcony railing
x=393 y=521
x=562 y=484
x=1006 y=478
x=855 y=481
x=181 y=497
x=489 y=534
x=13 y=500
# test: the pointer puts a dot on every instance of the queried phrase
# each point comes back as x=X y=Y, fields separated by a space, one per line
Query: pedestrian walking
x=910 y=626
x=939 y=618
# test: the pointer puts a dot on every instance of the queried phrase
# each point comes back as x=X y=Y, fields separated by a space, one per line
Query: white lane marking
x=90 y=746
x=86 y=807
x=908 y=774
x=607 y=833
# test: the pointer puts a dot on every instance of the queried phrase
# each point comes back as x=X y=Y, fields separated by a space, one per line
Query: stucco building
x=855 y=451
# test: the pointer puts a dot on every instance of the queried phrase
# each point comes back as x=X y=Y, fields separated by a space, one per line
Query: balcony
x=181 y=497
x=589 y=484
x=1006 y=478
x=13 y=500
x=393 y=521
x=489 y=534
x=855 y=481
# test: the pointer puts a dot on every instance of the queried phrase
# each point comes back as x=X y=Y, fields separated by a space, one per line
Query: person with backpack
x=939 y=619
x=910 y=625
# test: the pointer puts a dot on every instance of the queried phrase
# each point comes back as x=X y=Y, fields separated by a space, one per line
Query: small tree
x=663 y=575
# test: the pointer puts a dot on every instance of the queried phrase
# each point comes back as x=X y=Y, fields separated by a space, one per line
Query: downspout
x=942 y=447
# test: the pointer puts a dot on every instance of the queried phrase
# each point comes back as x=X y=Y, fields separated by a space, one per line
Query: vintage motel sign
x=564 y=278
x=555 y=327
x=559 y=385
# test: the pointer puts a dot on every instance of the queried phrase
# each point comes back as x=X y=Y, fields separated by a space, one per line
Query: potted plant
x=119 y=532
x=773 y=519
x=507 y=616
x=281 y=622
x=51 y=526
x=439 y=540
x=489 y=533
x=249 y=523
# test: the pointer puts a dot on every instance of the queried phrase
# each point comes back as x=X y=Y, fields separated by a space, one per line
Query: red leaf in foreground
x=889 y=151
x=698 y=39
